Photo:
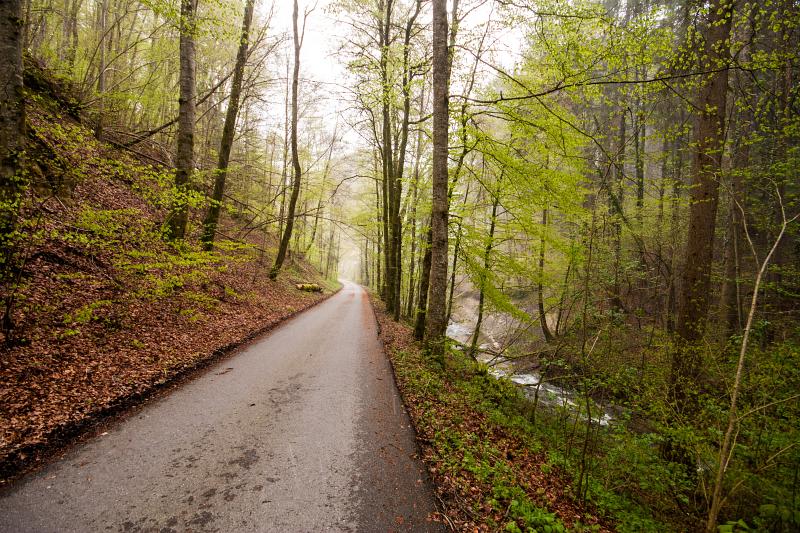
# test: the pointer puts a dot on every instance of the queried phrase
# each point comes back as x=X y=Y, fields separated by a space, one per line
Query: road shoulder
x=21 y=457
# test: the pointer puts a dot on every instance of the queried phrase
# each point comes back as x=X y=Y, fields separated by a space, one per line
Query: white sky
x=320 y=62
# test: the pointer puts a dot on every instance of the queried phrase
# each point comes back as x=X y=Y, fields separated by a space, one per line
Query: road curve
x=301 y=431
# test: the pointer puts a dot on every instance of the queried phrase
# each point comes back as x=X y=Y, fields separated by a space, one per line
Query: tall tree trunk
x=383 y=196
x=451 y=288
x=456 y=250
x=639 y=148
x=730 y=305
x=329 y=257
x=228 y=131
x=413 y=222
x=12 y=120
x=435 y=317
x=662 y=271
x=365 y=279
x=693 y=300
x=102 y=22
x=675 y=196
x=186 y=119
x=386 y=157
x=486 y=264
x=730 y=308
x=268 y=173
x=417 y=158
x=12 y=136
x=300 y=230
x=548 y=336
x=378 y=282
x=12 y=111
x=617 y=197
x=285 y=161
x=399 y=166
x=424 y=285
x=287 y=232
x=640 y=138
x=72 y=49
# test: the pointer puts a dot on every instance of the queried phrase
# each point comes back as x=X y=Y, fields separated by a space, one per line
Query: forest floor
x=302 y=430
x=52 y=391
x=489 y=473
x=104 y=311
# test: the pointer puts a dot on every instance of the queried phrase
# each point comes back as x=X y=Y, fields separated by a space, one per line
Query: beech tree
x=184 y=161
x=12 y=139
x=228 y=130
x=12 y=126
x=297 y=171
x=437 y=289
x=102 y=29
x=693 y=301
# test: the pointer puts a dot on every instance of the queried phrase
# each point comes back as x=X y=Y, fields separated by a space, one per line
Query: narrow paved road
x=302 y=431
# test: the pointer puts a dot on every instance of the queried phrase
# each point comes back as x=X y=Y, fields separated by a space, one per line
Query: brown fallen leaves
x=105 y=312
x=463 y=497
x=54 y=384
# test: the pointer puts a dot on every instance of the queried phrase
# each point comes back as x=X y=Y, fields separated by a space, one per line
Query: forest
x=589 y=207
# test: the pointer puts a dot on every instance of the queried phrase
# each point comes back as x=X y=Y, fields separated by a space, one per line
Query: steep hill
x=100 y=310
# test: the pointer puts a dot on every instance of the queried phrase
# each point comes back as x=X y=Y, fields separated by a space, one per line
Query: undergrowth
x=491 y=470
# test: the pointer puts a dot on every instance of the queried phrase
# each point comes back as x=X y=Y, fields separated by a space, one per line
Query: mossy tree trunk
x=228 y=132
x=186 y=120
x=12 y=135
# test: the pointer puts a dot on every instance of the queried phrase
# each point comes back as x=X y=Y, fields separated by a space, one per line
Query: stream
x=549 y=395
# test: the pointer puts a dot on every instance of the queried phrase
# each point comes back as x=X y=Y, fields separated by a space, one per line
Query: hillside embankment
x=100 y=310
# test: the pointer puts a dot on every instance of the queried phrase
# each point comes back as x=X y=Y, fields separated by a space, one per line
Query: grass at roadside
x=489 y=470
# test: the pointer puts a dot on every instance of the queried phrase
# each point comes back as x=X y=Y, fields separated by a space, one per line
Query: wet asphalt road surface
x=301 y=431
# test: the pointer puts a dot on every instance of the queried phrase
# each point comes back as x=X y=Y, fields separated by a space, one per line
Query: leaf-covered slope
x=103 y=310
